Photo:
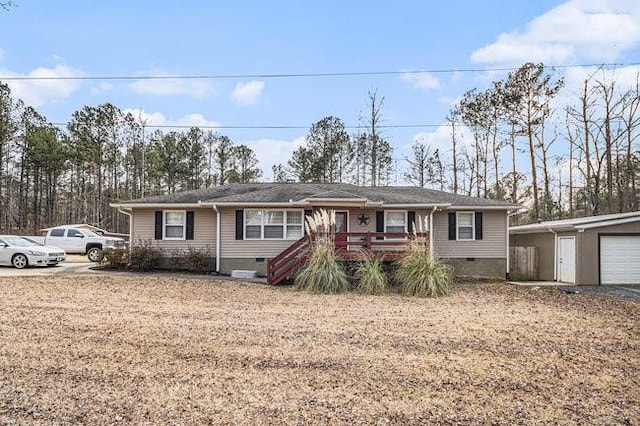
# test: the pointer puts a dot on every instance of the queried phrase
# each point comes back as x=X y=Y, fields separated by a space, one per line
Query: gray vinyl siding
x=239 y=249
x=493 y=244
x=204 y=231
x=354 y=225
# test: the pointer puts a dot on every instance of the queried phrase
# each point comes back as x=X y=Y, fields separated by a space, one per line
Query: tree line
x=51 y=176
x=582 y=157
x=513 y=141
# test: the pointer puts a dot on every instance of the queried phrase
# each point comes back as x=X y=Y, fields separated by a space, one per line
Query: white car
x=21 y=252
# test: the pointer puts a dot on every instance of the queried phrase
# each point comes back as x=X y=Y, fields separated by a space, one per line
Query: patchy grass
x=195 y=351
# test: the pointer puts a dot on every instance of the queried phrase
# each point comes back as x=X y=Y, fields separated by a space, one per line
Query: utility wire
x=258 y=127
x=184 y=126
x=301 y=75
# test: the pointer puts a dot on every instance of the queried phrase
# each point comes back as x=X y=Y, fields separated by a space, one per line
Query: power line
x=185 y=126
x=301 y=75
x=285 y=127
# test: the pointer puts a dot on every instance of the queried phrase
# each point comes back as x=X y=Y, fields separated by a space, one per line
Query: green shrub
x=421 y=274
x=322 y=273
x=144 y=257
x=370 y=277
x=116 y=258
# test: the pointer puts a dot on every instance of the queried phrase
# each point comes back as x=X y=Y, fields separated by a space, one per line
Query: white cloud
x=247 y=93
x=625 y=79
x=101 y=88
x=173 y=86
x=440 y=138
x=599 y=30
x=449 y=100
x=39 y=92
x=159 y=119
x=423 y=80
x=272 y=151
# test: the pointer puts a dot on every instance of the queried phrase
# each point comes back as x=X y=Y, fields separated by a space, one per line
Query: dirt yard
x=113 y=350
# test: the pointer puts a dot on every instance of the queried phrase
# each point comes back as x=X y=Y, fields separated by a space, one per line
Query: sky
x=255 y=39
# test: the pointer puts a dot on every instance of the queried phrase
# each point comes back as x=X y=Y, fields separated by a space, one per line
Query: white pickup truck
x=81 y=241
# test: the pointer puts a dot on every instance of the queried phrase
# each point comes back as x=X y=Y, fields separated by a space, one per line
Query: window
x=465 y=221
x=395 y=221
x=253 y=224
x=57 y=233
x=74 y=233
x=294 y=225
x=273 y=224
x=174 y=225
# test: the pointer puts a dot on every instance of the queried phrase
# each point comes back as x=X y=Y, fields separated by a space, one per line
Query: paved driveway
x=74 y=264
x=631 y=292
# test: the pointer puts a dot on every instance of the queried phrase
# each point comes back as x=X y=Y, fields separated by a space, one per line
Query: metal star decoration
x=363 y=219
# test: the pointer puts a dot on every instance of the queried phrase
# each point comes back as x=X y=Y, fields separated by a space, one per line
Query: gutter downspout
x=431 y=231
x=130 y=224
x=555 y=254
x=215 y=208
x=508 y=272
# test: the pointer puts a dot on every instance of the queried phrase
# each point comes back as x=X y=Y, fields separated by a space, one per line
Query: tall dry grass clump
x=420 y=273
x=322 y=273
x=369 y=275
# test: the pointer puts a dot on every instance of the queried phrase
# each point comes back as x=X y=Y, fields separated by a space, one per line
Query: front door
x=342 y=222
x=567 y=260
x=341 y=227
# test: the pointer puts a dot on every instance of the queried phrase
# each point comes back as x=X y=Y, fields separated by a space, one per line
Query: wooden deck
x=349 y=246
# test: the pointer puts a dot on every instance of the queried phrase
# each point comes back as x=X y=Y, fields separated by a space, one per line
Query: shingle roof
x=256 y=193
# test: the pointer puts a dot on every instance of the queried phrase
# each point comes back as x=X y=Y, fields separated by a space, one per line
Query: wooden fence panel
x=523 y=263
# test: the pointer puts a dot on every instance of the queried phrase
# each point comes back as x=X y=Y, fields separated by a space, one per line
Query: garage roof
x=577 y=224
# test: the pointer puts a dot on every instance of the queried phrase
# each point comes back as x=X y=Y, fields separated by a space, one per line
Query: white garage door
x=620 y=259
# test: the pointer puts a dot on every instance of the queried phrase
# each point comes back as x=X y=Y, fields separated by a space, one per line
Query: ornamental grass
x=322 y=273
x=420 y=273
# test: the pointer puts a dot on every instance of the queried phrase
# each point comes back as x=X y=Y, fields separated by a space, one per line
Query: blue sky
x=127 y=38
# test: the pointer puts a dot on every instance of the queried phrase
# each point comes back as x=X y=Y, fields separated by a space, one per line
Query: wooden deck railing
x=286 y=262
x=349 y=246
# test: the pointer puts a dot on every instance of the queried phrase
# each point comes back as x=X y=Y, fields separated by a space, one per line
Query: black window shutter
x=452 y=226
x=158 y=234
x=307 y=213
x=380 y=221
x=239 y=224
x=411 y=222
x=478 y=225
x=190 y=218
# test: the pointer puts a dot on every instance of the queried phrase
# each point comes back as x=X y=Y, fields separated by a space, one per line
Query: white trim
x=575 y=257
x=473 y=226
x=431 y=247
x=578 y=223
x=215 y=208
x=285 y=224
x=406 y=218
x=508 y=208
x=555 y=254
x=608 y=223
x=413 y=206
x=158 y=205
x=130 y=224
x=164 y=225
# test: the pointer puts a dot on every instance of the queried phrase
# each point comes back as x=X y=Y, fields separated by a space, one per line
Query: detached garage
x=589 y=250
